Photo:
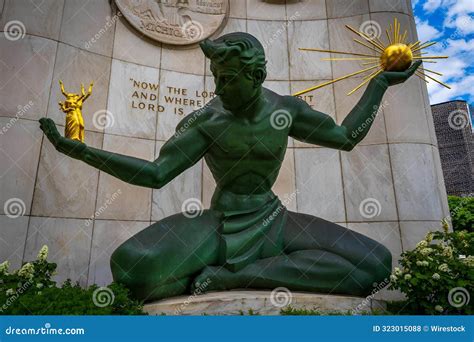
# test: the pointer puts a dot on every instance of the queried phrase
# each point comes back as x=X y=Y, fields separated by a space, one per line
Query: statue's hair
x=240 y=44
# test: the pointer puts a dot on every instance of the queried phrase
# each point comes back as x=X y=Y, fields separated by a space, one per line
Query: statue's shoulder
x=198 y=117
x=287 y=102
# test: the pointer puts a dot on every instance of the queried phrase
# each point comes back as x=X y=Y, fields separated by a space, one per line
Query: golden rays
x=397 y=55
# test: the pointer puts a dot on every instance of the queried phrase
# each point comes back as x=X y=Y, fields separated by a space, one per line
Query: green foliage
x=30 y=291
x=462 y=213
x=438 y=275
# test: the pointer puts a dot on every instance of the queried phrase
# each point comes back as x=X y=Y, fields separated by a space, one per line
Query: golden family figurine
x=72 y=106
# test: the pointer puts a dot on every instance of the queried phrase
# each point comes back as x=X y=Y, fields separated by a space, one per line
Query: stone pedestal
x=262 y=303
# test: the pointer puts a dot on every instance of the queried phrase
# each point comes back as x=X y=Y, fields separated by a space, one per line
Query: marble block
x=41 y=18
x=26 y=67
x=319 y=183
x=19 y=152
x=117 y=200
x=133 y=100
x=260 y=302
x=89 y=25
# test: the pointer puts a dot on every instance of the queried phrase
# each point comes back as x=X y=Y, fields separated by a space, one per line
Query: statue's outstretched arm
x=179 y=153
x=320 y=129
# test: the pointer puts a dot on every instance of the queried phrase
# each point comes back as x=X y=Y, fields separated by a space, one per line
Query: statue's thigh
x=174 y=246
x=303 y=232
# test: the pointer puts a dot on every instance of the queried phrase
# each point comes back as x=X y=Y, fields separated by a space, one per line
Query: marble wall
x=396 y=167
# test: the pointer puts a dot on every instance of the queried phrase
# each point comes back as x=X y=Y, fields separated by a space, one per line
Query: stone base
x=262 y=303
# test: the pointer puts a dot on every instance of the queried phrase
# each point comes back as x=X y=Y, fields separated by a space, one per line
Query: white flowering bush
x=437 y=277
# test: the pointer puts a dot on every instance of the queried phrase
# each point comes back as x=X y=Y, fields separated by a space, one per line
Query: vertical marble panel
x=180 y=94
x=108 y=235
x=169 y=199
x=389 y=6
x=266 y=10
x=133 y=100
x=344 y=8
x=405 y=114
x=89 y=25
x=273 y=36
x=341 y=39
x=238 y=9
x=307 y=65
x=20 y=144
x=415 y=231
x=441 y=185
x=321 y=100
x=41 y=18
x=132 y=46
x=368 y=186
x=26 y=67
x=120 y=200
x=416 y=185
x=306 y=9
x=12 y=239
x=319 y=183
x=284 y=186
x=66 y=187
x=185 y=60
x=75 y=66
x=69 y=242
x=344 y=105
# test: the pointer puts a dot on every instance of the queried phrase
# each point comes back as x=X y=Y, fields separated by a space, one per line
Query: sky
x=451 y=24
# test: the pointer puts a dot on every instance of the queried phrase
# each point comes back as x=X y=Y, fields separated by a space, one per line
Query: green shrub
x=30 y=291
x=462 y=212
x=437 y=277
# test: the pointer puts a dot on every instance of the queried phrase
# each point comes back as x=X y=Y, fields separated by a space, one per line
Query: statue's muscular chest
x=235 y=139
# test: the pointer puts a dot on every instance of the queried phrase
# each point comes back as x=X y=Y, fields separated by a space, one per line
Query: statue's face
x=233 y=86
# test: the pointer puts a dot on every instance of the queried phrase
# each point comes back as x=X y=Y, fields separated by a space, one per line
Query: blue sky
x=451 y=24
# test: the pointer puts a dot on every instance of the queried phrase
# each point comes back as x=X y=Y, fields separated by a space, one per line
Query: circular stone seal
x=176 y=22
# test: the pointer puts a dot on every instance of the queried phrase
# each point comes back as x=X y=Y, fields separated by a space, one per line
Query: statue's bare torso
x=245 y=155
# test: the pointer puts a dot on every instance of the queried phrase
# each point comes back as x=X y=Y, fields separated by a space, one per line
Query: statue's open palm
x=397 y=77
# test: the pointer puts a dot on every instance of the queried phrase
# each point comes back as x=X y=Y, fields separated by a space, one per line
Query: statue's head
x=238 y=65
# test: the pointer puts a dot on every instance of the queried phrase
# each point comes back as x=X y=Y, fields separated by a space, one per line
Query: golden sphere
x=396 y=57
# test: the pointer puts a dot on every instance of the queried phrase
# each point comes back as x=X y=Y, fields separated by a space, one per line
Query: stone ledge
x=240 y=302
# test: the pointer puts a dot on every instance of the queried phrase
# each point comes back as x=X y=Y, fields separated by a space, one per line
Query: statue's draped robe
x=253 y=231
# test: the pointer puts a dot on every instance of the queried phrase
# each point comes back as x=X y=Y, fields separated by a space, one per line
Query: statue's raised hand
x=70 y=147
x=397 y=77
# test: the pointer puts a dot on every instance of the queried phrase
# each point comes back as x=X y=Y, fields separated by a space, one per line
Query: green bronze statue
x=247 y=239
